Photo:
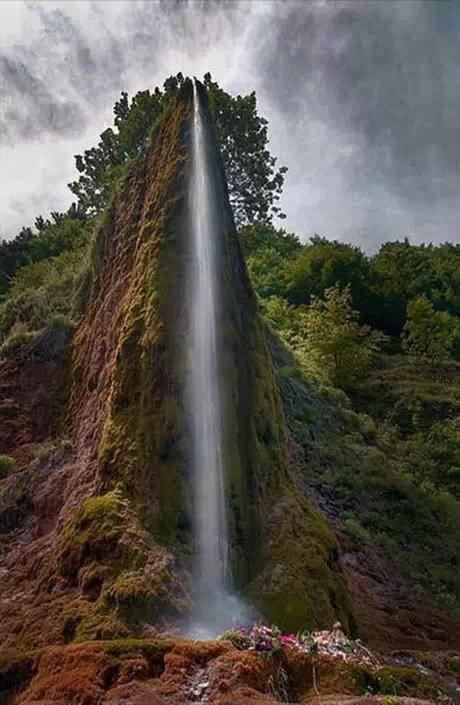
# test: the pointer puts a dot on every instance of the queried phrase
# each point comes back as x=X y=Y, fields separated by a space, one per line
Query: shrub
x=7 y=466
x=18 y=335
x=40 y=293
x=428 y=333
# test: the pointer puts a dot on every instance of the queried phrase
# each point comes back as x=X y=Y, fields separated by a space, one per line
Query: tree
x=258 y=237
x=59 y=233
x=428 y=333
x=102 y=166
x=267 y=273
x=335 y=340
x=255 y=184
x=323 y=264
x=432 y=456
x=401 y=272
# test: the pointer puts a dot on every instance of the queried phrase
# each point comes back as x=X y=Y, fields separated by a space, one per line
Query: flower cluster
x=259 y=637
x=270 y=640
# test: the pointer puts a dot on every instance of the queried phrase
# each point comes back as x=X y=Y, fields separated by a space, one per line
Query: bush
x=428 y=333
x=19 y=335
x=7 y=466
x=40 y=293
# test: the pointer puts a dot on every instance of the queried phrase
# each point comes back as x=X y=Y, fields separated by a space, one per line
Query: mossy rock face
x=96 y=533
x=124 y=576
x=131 y=423
x=299 y=586
x=394 y=680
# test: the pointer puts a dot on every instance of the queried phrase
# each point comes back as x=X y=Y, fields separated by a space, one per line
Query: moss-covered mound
x=130 y=425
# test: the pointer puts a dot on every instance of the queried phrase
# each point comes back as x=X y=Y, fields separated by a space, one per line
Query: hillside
x=342 y=447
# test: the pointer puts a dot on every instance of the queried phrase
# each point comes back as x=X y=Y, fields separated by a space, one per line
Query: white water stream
x=210 y=523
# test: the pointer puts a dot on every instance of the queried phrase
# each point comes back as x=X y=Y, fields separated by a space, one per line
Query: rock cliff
x=115 y=545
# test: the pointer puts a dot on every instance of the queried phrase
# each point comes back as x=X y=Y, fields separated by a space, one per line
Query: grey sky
x=362 y=96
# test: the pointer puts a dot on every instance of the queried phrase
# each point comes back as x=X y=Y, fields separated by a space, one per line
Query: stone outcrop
x=115 y=545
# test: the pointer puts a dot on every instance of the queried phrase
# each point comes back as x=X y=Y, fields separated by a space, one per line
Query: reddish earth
x=389 y=613
x=148 y=672
x=33 y=600
x=33 y=392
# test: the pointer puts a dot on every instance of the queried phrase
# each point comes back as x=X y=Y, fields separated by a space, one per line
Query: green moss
x=453 y=665
x=7 y=466
x=16 y=338
x=394 y=680
x=105 y=530
x=150 y=648
x=298 y=588
x=44 y=451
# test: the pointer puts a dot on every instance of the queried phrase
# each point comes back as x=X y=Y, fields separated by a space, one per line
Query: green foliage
x=267 y=251
x=259 y=237
x=409 y=507
x=393 y=681
x=267 y=272
x=38 y=293
x=432 y=456
x=63 y=232
x=102 y=166
x=401 y=272
x=254 y=181
x=333 y=337
x=16 y=337
x=428 y=333
x=323 y=264
x=7 y=466
x=381 y=286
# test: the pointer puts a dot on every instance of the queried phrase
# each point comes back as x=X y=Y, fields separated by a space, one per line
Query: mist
x=362 y=100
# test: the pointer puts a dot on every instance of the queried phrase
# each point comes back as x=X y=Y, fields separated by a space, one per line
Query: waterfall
x=210 y=524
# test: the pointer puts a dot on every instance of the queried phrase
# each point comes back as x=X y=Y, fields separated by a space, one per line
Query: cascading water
x=210 y=522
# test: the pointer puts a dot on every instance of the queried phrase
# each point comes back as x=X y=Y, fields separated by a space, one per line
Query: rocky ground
x=177 y=672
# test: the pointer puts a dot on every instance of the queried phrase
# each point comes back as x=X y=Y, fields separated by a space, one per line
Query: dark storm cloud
x=387 y=76
x=31 y=108
x=362 y=96
x=52 y=83
x=66 y=71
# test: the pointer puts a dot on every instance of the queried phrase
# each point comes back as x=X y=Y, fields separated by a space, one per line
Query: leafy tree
x=254 y=181
x=258 y=237
x=102 y=166
x=433 y=457
x=267 y=273
x=428 y=333
x=60 y=233
x=284 y=318
x=401 y=272
x=323 y=264
x=333 y=337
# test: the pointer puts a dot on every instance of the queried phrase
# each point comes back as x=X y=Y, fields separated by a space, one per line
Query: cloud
x=362 y=98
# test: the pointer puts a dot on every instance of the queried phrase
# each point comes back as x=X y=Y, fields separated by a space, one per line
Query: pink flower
x=288 y=639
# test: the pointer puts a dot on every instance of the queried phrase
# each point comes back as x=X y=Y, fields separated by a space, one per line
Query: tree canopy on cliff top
x=255 y=183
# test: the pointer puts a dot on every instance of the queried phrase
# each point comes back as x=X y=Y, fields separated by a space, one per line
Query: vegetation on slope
x=380 y=430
